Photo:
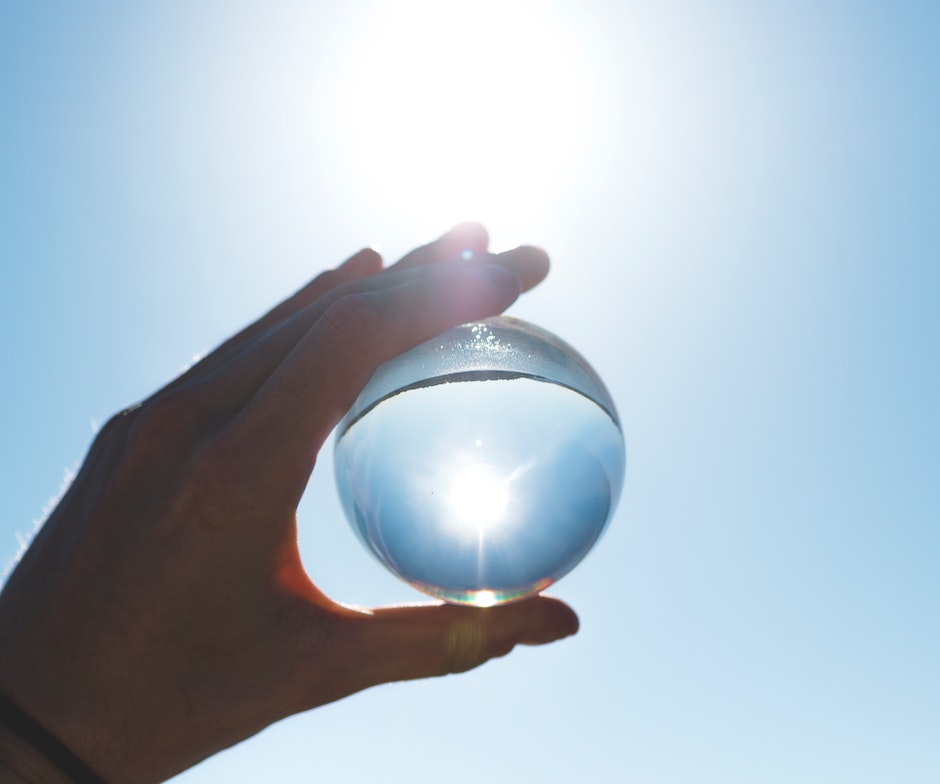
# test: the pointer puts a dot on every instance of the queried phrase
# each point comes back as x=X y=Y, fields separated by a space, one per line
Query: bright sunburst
x=464 y=109
x=478 y=496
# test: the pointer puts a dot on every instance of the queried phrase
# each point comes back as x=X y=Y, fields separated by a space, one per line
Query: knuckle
x=352 y=317
x=465 y=647
x=118 y=425
x=112 y=437
x=161 y=426
x=322 y=283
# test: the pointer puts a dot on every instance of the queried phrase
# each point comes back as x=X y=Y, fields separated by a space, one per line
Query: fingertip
x=529 y=263
x=569 y=624
x=470 y=233
x=363 y=263
x=465 y=240
x=469 y=237
x=552 y=620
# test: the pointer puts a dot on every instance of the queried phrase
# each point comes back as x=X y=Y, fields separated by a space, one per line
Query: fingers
x=272 y=394
x=423 y=641
x=464 y=238
x=468 y=242
x=295 y=409
x=464 y=241
x=361 y=265
x=527 y=264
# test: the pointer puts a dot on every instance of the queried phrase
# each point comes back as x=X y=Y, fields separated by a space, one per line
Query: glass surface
x=481 y=466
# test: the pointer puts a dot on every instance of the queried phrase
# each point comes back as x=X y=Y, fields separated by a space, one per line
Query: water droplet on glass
x=482 y=466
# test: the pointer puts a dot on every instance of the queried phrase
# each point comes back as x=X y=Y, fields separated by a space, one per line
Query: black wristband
x=15 y=719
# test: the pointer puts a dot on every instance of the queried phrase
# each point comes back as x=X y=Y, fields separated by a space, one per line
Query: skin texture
x=162 y=612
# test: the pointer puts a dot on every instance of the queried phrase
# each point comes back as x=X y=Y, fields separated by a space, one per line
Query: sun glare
x=464 y=109
x=478 y=496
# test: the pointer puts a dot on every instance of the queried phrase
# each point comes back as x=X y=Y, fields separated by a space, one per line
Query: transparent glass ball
x=483 y=465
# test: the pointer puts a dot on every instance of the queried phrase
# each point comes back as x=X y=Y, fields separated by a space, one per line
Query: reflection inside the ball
x=478 y=496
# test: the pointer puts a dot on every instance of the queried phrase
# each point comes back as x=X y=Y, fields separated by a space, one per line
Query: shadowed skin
x=162 y=612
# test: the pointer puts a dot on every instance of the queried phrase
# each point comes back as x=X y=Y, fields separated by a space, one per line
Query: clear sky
x=741 y=203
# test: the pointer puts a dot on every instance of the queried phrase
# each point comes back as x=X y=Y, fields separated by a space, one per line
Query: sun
x=478 y=496
x=456 y=110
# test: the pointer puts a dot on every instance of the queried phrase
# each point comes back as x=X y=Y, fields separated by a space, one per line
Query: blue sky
x=740 y=201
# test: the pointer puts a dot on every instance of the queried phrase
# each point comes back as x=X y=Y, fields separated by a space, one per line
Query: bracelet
x=18 y=721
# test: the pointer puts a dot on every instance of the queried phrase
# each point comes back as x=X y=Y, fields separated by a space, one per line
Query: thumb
x=422 y=641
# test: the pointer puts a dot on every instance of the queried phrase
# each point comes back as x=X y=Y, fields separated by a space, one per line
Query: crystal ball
x=482 y=466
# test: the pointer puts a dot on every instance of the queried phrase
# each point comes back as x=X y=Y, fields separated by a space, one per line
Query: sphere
x=482 y=466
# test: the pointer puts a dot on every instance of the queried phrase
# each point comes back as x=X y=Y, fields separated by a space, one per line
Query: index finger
x=362 y=264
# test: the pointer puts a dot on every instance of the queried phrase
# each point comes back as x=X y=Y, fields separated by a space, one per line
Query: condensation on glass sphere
x=481 y=466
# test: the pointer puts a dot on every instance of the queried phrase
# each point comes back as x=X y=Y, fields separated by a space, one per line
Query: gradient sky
x=741 y=203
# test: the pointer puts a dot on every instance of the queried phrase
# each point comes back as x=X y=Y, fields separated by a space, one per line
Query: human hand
x=162 y=612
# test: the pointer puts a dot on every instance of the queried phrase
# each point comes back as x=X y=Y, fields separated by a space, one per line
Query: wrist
x=30 y=754
x=21 y=763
